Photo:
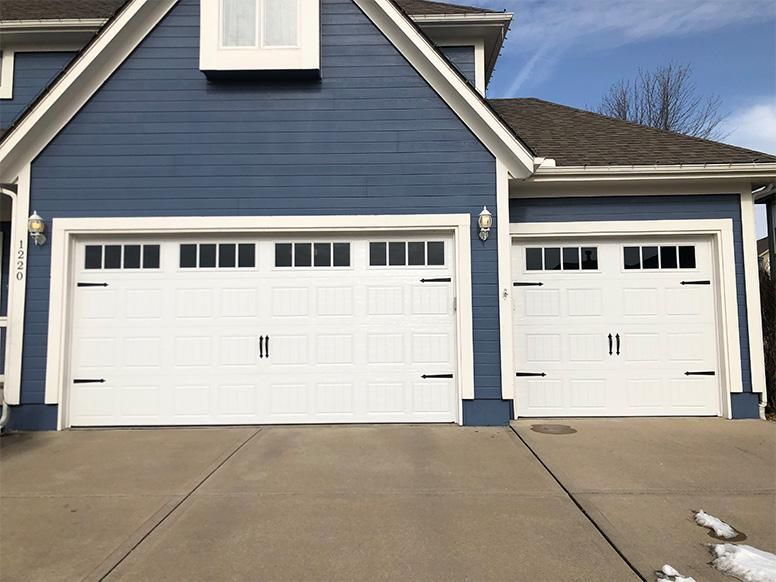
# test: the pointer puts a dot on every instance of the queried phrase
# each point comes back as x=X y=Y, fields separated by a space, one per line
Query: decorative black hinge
x=89 y=381
x=704 y=373
x=530 y=374
x=426 y=376
x=437 y=280
x=92 y=284
x=696 y=282
x=526 y=284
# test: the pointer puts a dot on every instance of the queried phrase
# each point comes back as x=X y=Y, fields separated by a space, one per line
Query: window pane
x=397 y=253
x=188 y=256
x=341 y=254
x=303 y=255
x=227 y=256
x=322 y=254
x=247 y=256
x=280 y=23
x=132 y=257
x=416 y=253
x=93 y=258
x=571 y=259
x=649 y=258
x=668 y=258
x=283 y=255
x=632 y=256
x=238 y=23
x=150 y=256
x=552 y=259
x=113 y=257
x=687 y=257
x=377 y=254
x=436 y=253
x=590 y=258
x=207 y=256
x=533 y=259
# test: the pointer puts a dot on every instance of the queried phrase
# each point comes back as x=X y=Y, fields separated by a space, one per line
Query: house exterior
x=323 y=219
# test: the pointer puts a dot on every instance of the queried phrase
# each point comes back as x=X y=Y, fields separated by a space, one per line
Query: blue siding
x=650 y=208
x=32 y=73
x=370 y=138
x=463 y=59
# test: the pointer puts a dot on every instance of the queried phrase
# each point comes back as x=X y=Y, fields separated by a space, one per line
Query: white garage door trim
x=65 y=232
x=723 y=249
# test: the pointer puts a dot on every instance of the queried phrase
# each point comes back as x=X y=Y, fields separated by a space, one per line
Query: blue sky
x=572 y=51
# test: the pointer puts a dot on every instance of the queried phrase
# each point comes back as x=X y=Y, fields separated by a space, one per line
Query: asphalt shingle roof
x=57 y=9
x=425 y=7
x=573 y=137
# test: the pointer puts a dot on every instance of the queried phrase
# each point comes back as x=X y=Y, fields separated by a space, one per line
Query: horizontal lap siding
x=32 y=74
x=370 y=138
x=581 y=209
x=463 y=59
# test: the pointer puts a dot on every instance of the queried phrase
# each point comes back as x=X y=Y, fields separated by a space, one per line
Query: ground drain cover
x=552 y=429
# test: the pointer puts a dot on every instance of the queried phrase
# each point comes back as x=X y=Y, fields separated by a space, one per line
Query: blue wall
x=650 y=208
x=371 y=137
x=463 y=59
x=32 y=74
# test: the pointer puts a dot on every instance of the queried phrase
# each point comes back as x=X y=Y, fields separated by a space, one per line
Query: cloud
x=753 y=126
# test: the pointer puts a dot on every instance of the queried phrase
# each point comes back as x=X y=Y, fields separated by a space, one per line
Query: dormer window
x=259 y=36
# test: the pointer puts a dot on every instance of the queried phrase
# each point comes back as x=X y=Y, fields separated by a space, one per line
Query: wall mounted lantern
x=36 y=227
x=485 y=221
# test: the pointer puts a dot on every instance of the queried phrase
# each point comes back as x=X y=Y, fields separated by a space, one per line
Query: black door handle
x=268 y=346
x=610 y=344
x=618 y=343
x=261 y=346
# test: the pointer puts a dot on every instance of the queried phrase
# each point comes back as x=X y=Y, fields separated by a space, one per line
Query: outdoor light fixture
x=36 y=228
x=485 y=221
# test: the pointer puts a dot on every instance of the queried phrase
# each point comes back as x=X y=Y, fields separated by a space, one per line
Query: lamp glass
x=486 y=219
x=35 y=224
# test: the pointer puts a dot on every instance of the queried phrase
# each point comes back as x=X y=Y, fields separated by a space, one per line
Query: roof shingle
x=425 y=7
x=573 y=137
x=57 y=9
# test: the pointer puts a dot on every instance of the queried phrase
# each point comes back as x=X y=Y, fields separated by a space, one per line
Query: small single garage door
x=242 y=330
x=615 y=327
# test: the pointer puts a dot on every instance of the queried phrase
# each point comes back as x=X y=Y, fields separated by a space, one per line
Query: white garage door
x=244 y=330
x=615 y=327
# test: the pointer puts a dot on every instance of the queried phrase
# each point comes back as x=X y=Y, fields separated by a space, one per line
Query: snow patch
x=720 y=528
x=744 y=562
x=670 y=574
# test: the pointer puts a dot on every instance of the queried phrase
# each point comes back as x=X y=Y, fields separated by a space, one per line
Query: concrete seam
x=579 y=506
x=173 y=506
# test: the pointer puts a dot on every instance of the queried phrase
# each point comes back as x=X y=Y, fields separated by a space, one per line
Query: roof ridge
x=656 y=130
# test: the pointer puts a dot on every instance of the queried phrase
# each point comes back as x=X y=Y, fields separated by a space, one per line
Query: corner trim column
x=504 y=282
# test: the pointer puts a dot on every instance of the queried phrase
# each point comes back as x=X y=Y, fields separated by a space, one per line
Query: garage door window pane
x=377 y=254
x=207 y=256
x=533 y=259
x=113 y=257
x=93 y=257
x=303 y=254
x=397 y=253
x=227 y=256
x=668 y=258
x=436 y=253
x=552 y=259
x=150 y=256
x=571 y=259
x=132 y=257
x=322 y=254
x=188 y=259
x=589 y=258
x=247 y=256
x=341 y=254
x=687 y=257
x=283 y=255
x=632 y=257
x=416 y=253
x=649 y=258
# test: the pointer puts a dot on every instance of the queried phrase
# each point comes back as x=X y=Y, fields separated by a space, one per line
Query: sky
x=572 y=51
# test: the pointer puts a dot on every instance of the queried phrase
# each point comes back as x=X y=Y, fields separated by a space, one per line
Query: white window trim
x=479 y=58
x=6 y=74
x=723 y=246
x=65 y=232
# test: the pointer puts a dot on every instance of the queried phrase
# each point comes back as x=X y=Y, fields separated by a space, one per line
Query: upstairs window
x=259 y=36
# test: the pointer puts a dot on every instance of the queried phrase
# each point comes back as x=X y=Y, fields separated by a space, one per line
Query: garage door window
x=121 y=257
x=402 y=254
x=309 y=254
x=218 y=256
x=652 y=258
x=561 y=259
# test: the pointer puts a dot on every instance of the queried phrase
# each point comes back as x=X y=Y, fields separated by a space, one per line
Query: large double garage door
x=244 y=330
x=615 y=327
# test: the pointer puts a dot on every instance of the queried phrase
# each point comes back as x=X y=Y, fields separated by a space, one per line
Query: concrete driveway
x=640 y=480
x=304 y=503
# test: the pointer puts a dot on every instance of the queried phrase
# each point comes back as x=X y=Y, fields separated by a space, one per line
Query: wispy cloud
x=546 y=29
x=753 y=126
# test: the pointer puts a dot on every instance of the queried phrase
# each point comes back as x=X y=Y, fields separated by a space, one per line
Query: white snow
x=744 y=562
x=670 y=574
x=721 y=529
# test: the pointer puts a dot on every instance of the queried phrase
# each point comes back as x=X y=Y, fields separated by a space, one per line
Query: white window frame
x=7 y=58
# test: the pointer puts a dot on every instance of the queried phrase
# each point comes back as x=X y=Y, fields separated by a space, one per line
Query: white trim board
x=6 y=73
x=66 y=231
x=727 y=302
